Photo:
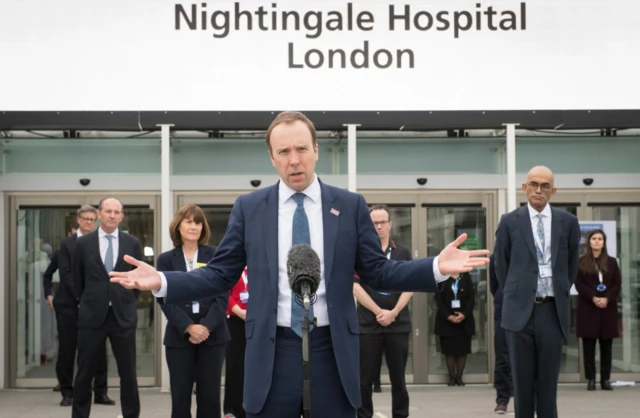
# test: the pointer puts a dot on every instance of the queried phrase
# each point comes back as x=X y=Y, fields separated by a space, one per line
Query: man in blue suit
x=262 y=228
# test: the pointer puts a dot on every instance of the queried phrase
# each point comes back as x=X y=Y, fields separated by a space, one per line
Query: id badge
x=545 y=270
x=384 y=293
x=195 y=307
x=244 y=297
x=455 y=304
x=601 y=287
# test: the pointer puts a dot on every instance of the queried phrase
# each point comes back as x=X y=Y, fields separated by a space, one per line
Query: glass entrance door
x=39 y=224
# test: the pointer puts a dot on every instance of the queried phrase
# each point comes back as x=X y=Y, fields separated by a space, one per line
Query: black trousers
x=535 y=354
x=589 y=355
x=234 y=370
x=200 y=363
x=396 y=349
x=502 y=371
x=123 y=343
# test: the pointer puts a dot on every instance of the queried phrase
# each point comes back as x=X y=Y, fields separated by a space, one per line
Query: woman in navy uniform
x=196 y=333
x=455 y=324
x=598 y=285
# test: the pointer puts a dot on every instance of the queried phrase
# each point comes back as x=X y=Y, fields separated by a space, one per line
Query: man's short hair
x=291 y=117
x=85 y=209
x=107 y=198
x=381 y=207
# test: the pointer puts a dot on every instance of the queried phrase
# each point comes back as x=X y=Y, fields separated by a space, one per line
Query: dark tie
x=300 y=235
x=108 y=257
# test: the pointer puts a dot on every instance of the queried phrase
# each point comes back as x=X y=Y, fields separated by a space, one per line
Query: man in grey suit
x=536 y=262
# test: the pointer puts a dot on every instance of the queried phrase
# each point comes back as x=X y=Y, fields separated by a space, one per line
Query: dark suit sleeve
x=382 y=274
x=176 y=317
x=64 y=266
x=47 y=277
x=217 y=312
x=574 y=250
x=584 y=291
x=220 y=274
x=77 y=269
x=502 y=252
x=444 y=310
x=614 y=290
x=493 y=280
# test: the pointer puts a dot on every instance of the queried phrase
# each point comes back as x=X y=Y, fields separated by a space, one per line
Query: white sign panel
x=225 y=55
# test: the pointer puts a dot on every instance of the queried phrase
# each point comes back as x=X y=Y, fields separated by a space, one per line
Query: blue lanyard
x=454 y=287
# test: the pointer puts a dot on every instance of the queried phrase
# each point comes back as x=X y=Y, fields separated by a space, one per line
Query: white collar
x=312 y=192
x=102 y=233
x=78 y=233
x=546 y=212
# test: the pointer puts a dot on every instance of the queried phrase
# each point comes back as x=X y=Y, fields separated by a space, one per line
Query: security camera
x=587 y=182
x=255 y=183
x=85 y=182
x=421 y=181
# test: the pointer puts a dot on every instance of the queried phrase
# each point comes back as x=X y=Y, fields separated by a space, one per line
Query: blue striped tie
x=300 y=235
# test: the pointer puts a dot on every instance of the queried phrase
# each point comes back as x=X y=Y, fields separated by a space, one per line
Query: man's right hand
x=50 y=302
x=143 y=277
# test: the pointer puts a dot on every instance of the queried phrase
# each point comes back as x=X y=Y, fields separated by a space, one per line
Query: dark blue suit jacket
x=179 y=317
x=350 y=243
x=494 y=287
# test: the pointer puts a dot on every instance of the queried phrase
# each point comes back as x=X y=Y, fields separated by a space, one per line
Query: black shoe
x=56 y=388
x=606 y=385
x=591 y=385
x=459 y=381
x=66 y=401
x=377 y=388
x=452 y=381
x=103 y=400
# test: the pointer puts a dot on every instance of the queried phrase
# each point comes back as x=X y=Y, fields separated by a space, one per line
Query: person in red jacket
x=234 y=373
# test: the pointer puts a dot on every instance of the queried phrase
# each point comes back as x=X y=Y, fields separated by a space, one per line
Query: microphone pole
x=306 y=366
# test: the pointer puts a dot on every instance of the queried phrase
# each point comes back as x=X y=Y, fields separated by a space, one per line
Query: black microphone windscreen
x=303 y=262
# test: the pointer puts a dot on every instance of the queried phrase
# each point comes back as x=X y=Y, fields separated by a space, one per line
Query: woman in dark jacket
x=455 y=324
x=196 y=333
x=598 y=284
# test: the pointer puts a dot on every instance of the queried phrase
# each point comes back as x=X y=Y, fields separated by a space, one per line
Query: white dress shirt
x=104 y=244
x=313 y=209
x=546 y=222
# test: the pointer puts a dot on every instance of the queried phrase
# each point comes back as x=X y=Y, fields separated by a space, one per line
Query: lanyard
x=454 y=287
x=186 y=260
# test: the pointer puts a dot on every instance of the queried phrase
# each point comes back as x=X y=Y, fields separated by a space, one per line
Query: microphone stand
x=306 y=366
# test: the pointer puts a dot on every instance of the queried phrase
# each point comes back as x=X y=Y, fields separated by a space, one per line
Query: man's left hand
x=452 y=260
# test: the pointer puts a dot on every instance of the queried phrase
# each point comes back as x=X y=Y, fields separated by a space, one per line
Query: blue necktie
x=300 y=235
x=108 y=257
x=542 y=282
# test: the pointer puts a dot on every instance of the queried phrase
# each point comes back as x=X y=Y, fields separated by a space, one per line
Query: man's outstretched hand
x=143 y=277
x=453 y=260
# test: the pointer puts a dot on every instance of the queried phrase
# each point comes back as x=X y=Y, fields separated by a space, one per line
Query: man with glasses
x=536 y=262
x=385 y=325
x=65 y=304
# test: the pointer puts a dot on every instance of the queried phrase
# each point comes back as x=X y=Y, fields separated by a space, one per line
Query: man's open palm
x=143 y=277
x=453 y=260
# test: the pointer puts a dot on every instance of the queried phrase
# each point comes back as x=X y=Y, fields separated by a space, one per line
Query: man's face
x=86 y=222
x=110 y=215
x=380 y=219
x=539 y=188
x=293 y=154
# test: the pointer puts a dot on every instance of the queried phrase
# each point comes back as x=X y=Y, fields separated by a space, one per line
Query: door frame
x=16 y=200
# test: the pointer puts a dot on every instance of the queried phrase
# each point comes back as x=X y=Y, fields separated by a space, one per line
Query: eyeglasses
x=87 y=219
x=380 y=223
x=545 y=187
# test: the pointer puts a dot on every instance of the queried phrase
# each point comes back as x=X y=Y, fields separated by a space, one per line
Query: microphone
x=303 y=269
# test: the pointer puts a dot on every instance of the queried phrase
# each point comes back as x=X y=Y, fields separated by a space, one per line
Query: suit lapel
x=270 y=234
x=121 y=250
x=557 y=221
x=525 y=226
x=330 y=221
x=96 y=248
x=177 y=260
